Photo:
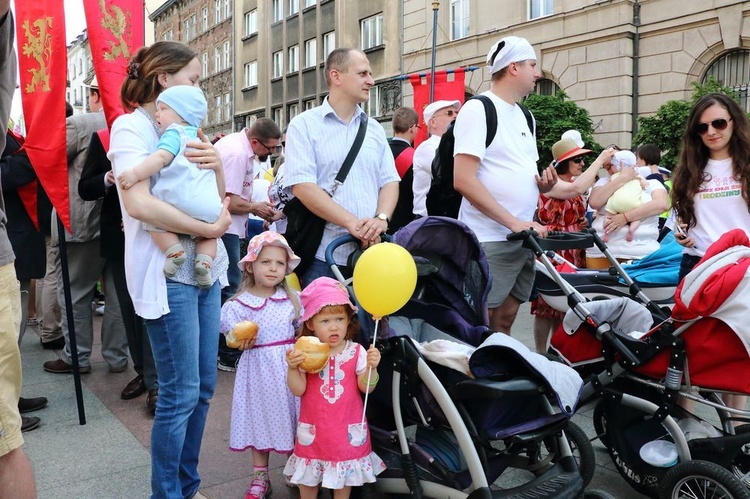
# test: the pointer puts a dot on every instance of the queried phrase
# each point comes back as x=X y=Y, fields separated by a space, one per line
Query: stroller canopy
x=457 y=268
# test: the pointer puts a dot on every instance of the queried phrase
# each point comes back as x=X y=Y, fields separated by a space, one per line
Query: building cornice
x=162 y=8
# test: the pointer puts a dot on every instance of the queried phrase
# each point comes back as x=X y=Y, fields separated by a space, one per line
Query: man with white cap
x=499 y=183
x=437 y=116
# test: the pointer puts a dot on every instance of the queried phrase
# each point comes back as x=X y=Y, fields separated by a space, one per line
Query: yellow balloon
x=384 y=279
x=293 y=282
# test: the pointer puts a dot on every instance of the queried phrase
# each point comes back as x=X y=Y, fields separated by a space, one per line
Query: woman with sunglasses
x=711 y=184
x=565 y=215
x=715 y=158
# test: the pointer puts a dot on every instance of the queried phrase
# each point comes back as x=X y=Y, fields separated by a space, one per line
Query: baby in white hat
x=627 y=197
x=179 y=112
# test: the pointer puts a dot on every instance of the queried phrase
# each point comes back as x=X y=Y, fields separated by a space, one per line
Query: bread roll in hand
x=242 y=331
x=316 y=353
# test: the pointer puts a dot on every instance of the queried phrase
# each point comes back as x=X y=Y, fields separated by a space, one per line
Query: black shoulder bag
x=304 y=229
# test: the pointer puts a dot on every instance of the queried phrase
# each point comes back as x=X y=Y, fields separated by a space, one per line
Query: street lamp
x=435 y=7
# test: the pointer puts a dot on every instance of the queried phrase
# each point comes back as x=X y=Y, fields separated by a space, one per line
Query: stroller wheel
x=741 y=462
x=701 y=480
x=580 y=447
x=596 y=494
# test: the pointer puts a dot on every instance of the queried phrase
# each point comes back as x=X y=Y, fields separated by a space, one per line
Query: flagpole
x=435 y=7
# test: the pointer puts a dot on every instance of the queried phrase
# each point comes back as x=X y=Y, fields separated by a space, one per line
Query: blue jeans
x=184 y=344
x=234 y=276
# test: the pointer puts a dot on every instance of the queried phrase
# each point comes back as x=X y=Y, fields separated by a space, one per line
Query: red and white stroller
x=660 y=383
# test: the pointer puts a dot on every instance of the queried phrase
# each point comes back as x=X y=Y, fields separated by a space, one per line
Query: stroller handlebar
x=345 y=239
x=554 y=241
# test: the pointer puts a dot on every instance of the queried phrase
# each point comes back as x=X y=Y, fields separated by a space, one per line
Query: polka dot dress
x=264 y=411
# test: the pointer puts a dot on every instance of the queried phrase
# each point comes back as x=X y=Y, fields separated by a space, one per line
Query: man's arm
x=92 y=185
x=466 y=182
x=371 y=228
x=238 y=206
x=568 y=190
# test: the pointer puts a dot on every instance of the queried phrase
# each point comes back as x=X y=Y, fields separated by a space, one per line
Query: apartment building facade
x=80 y=73
x=616 y=58
x=282 y=46
x=205 y=26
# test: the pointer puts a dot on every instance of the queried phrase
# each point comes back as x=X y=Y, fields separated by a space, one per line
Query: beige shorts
x=10 y=360
x=512 y=268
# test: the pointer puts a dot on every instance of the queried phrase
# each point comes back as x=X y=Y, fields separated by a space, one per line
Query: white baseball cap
x=436 y=106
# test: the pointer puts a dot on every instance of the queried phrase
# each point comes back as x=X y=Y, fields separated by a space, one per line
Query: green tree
x=554 y=115
x=665 y=128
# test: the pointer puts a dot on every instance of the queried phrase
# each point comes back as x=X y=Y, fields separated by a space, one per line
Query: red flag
x=116 y=31
x=445 y=89
x=42 y=59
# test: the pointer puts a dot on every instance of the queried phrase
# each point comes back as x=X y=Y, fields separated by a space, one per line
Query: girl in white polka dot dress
x=264 y=411
x=333 y=444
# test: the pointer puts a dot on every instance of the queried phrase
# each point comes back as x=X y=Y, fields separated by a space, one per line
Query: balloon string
x=369 y=371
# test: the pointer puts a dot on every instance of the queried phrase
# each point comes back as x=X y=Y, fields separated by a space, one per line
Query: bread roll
x=242 y=331
x=316 y=353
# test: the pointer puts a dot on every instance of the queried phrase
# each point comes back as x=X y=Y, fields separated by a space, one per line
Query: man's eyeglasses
x=417 y=125
x=449 y=113
x=720 y=124
x=271 y=150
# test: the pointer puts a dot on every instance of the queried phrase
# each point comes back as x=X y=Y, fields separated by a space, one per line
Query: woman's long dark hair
x=689 y=173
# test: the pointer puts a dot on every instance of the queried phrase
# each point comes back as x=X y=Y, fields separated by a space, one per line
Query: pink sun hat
x=269 y=238
x=323 y=292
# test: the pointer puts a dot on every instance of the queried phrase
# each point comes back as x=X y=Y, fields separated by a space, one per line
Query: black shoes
x=28 y=424
x=153 y=396
x=31 y=405
x=134 y=389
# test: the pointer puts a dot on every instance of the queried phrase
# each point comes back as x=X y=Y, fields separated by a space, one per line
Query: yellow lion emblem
x=116 y=22
x=39 y=47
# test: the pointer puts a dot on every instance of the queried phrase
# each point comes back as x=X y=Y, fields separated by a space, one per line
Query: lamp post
x=435 y=7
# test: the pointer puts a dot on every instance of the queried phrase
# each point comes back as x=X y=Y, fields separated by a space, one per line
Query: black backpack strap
x=490 y=115
x=529 y=118
x=349 y=161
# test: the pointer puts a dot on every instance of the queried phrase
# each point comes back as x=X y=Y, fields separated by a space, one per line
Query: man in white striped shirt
x=317 y=142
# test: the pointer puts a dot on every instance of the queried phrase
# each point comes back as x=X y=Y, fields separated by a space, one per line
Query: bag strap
x=490 y=115
x=349 y=161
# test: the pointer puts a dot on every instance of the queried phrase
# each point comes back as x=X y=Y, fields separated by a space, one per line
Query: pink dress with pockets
x=264 y=411
x=332 y=448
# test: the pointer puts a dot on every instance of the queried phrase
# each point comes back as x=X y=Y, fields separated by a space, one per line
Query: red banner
x=445 y=89
x=115 y=30
x=42 y=60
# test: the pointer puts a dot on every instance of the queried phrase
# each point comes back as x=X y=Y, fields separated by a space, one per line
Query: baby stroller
x=643 y=372
x=655 y=276
x=449 y=422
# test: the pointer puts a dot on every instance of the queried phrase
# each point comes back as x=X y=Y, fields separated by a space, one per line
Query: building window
x=278 y=64
x=732 y=70
x=293 y=111
x=186 y=29
x=250 y=120
x=251 y=22
x=251 y=74
x=545 y=86
x=217 y=59
x=540 y=8
x=459 y=19
x=217 y=109
x=217 y=11
x=204 y=65
x=227 y=106
x=204 y=19
x=278 y=117
x=225 y=47
x=293 y=7
x=372 y=31
x=372 y=107
x=309 y=104
x=168 y=35
x=278 y=10
x=311 y=53
x=227 y=9
x=294 y=59
x=309 y=3
x=329 y=43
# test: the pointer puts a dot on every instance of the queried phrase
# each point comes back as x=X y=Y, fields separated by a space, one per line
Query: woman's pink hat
x=269 y=238
x=323 y=292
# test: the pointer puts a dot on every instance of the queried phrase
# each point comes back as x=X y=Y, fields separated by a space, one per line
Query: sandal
x=32 y=321
x=260 y=488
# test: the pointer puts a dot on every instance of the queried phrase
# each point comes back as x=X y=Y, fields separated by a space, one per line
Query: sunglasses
x=579 y=159
x=720 y=124
x=613 y=146
x=449 y=113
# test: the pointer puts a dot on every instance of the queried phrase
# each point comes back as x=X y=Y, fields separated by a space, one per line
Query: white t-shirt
x=507 y=168
x=132 y=138
x=719 y=207
x=644 y=238
x=422 y=162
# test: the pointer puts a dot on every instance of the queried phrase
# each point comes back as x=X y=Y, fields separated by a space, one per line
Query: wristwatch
x=383 y=217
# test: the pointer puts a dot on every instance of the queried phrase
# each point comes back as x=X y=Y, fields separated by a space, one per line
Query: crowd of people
x=160 y=215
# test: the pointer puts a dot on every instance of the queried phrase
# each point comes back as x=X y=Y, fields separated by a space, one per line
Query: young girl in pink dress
x=332 y=447
x=264 y=411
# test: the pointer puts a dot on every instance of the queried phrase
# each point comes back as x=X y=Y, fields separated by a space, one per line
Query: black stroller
x=641 y=365
x=452 y=431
